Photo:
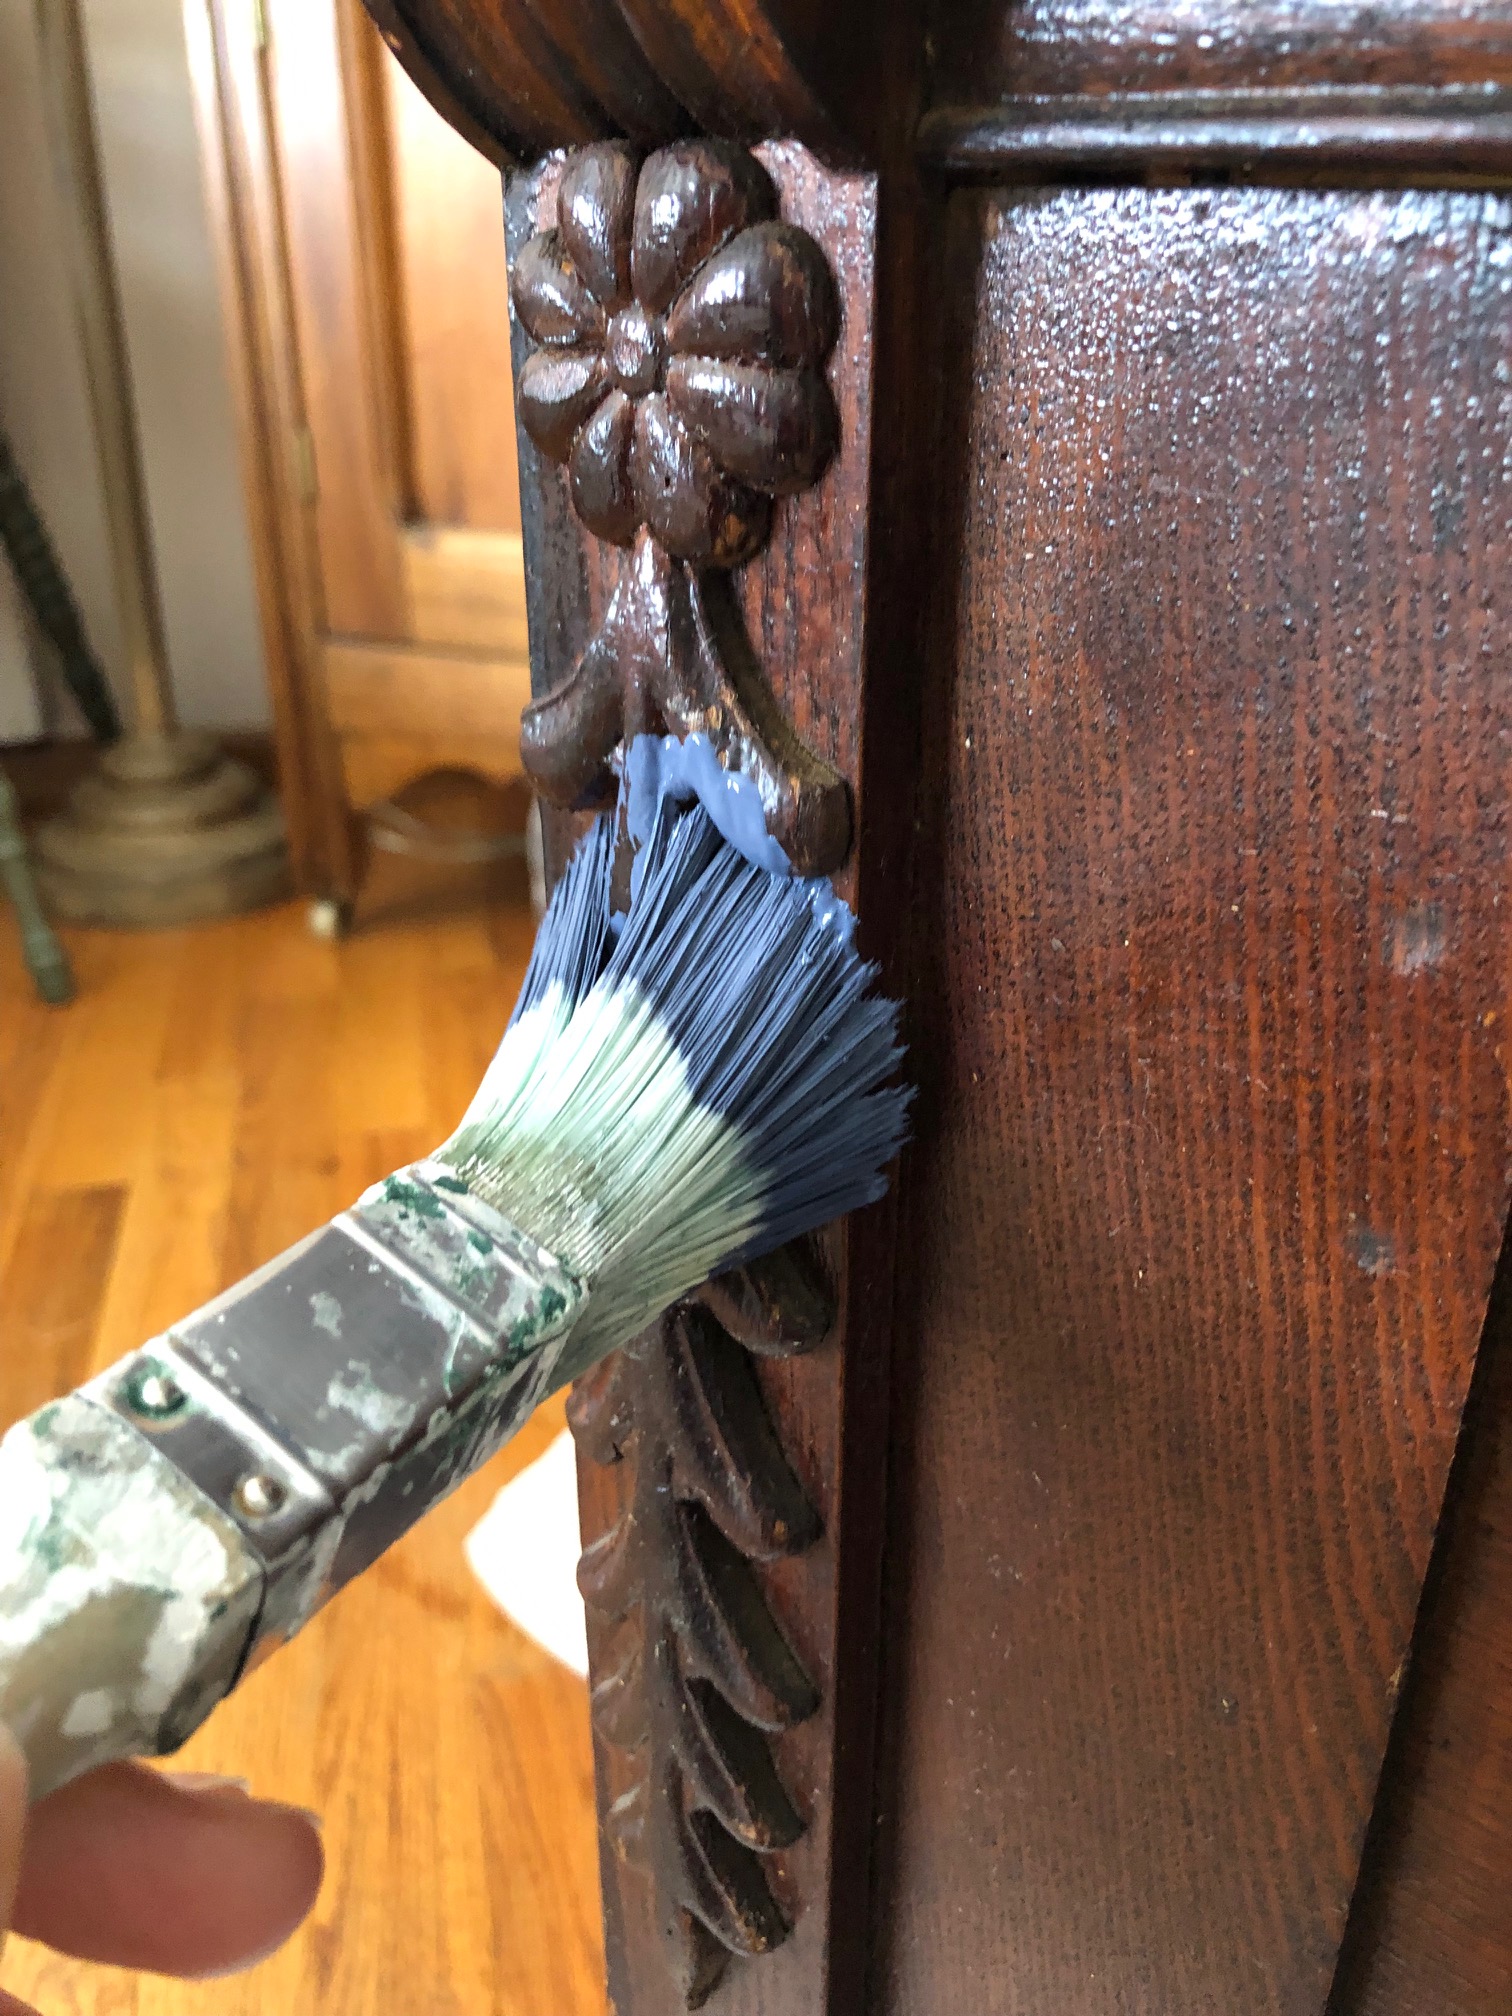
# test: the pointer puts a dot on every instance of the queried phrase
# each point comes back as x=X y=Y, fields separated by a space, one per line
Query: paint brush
x=679 y=1090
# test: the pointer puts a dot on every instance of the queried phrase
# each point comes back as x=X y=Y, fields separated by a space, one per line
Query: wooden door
x=365 y=259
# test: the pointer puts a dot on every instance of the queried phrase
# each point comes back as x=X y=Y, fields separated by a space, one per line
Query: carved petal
x=692 y=197
x=607 y=1575
x=732 y=1896
x=776 y=1306
x=730 y=1768
x=558 y=390
x=550 y=296
x=729 y=1633
x=765 y=298
x=601 y=1410
x=772 y=429
x=696 y=512
x=727 y=1455
x=699 y=1963
x=595 y=215
x=601 y=487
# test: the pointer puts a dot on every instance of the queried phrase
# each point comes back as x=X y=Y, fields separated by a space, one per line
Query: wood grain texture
x=1213 y=1144
x=1430 y=1926
x=519 y=77
x=209 y=1097
x=1400 y=133
x=453 y=317
x=990 y=48
x=805 y=604
x=236 y=149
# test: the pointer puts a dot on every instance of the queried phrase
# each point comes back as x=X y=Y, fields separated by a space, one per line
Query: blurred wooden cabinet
x=363 y=260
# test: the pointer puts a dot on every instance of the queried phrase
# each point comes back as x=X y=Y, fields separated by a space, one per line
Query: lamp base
x=167 y=830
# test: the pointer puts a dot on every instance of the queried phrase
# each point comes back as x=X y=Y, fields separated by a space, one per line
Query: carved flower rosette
x=683 y=330
x=680 y=330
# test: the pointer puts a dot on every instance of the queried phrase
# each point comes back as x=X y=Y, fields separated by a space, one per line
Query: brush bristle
x=718 y=1080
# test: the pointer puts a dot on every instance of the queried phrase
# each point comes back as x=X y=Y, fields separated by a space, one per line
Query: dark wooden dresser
x=1063 y=450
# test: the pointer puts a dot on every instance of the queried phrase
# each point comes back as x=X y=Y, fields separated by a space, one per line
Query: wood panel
x=399 y=296
x=372 y=690
x=991 y=48
x=209 y=1097
x=1430 y=1928
x=399 y=713
x=1213 y=1144
x=465 y=590
x=334 y=209
x=236 y=150
x=448 y=222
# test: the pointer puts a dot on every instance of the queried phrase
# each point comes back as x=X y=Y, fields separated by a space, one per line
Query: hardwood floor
x=211 y=1095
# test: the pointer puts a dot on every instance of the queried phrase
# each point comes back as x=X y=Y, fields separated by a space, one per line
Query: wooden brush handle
x=127 y=1599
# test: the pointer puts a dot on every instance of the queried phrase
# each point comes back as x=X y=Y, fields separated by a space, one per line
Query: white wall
x=174 y=332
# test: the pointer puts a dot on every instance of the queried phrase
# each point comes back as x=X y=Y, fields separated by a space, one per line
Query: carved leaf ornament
x=681 y=330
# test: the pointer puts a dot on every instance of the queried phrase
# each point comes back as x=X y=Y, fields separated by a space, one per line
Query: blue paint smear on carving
x=658 y=767
x=688 y=771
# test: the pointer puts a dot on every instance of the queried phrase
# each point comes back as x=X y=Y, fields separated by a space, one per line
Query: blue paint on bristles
x=569 y=951
x=715 y=1077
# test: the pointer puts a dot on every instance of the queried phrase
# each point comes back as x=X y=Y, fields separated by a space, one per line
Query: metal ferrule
x=180 y=1516
x=324 y=1404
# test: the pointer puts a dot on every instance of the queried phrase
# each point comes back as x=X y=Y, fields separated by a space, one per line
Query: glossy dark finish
x=1202 y=496
x=1213 y=1149
x=680 y=331
x=672 y=656
x=801 y=607
x=518 y=76
x=1431 y=1927
x=1400 y=132
x=694 y=1672
x=986 y=49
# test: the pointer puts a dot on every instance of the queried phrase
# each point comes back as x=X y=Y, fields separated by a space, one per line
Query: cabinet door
x=385 y=377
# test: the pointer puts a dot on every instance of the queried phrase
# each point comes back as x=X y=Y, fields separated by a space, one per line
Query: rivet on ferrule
x=258 y=1496
x=153 y=1393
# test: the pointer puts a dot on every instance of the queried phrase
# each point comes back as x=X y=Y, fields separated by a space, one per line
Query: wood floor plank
x=107 y=1073
x=256 y=1080
x=51 y=1291
x=381 y=1035
x=171 y=1254
x=32 y=1037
